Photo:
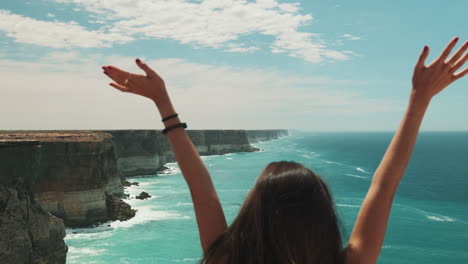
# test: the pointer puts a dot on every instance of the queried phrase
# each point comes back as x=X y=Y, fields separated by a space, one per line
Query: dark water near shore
x=428 y=224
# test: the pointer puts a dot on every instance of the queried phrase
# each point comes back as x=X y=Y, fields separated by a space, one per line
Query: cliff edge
x=75 y=171
x=144 y=152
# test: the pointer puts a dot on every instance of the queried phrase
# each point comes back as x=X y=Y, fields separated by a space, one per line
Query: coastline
x=74 y=174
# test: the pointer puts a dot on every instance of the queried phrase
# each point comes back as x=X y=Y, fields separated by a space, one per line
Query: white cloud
x=55 y=34
x=240 y=48
x=215 y=23
x=50 y=15
x=68 y=91
x=351 y=37
x=96 y=22
x=291 y=7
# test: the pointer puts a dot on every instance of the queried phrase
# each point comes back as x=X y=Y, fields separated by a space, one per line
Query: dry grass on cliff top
x=48 y=136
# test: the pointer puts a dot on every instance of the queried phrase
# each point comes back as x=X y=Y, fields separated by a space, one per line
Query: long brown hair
x=287 y=218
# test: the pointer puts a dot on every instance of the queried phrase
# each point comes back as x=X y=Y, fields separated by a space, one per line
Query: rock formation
x=143 y=196
x=28 y=233
x=117 y=209
x=75 y=171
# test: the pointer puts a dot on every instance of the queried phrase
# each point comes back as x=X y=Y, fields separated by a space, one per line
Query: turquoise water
x=428 y=224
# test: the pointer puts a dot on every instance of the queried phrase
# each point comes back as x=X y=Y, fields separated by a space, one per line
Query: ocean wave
x=348 y=205
x=146 y=214
x=310 y=155
x=361 y=170
x=186 y=259
x=183 y=204
x=85 y=251
x=333 y=162
x=440 y=218
x=95 y=233
x=141 y=184
x=429 y=215
x=152 y=259
x=172 y=169
x=356 y=176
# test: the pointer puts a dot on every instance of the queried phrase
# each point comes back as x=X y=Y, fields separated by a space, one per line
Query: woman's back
x=287 y=217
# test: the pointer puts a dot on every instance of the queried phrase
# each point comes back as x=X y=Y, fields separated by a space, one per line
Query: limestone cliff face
x=74 y=172
x=144 y=152
x=28 y=233
x=140 y=152
x=77 y=169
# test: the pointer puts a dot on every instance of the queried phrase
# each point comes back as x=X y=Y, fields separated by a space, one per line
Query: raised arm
x=208 y=210
x=368 y=234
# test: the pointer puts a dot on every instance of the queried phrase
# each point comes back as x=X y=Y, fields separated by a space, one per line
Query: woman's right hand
x=150 y=85
x=430 y=80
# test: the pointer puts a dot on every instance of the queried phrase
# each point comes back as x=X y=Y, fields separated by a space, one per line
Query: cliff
x=144 y=152
x=77 y=169
x=29 y=234
x=74 y=172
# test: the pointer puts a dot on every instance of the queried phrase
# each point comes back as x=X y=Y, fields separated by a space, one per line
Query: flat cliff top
x=56 y=136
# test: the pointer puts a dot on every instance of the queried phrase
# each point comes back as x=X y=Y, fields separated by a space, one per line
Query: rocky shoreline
x=53 y=179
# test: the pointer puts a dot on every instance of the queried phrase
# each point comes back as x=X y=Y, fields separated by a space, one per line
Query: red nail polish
x=138 y=60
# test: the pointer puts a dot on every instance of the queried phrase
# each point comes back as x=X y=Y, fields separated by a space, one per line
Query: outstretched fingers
x=120 y=87
x=460 y=74
x=422 y=58
x=149 y=72
x=443 y=56
x=116 y=74
x=458 y=54
x=458 y=64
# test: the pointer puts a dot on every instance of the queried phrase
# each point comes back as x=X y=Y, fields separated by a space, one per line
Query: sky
x=227 y=64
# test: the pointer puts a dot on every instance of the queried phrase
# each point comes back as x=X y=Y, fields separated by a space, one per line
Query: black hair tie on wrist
x=170 y=117
x=169 y=128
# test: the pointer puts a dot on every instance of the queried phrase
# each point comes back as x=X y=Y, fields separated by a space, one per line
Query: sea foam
x=356 y=176
x=361 y=170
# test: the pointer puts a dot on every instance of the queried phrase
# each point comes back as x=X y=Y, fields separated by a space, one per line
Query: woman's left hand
x=150 y=85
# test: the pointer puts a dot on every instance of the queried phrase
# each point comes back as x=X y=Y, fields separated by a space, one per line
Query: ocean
x=428 y=222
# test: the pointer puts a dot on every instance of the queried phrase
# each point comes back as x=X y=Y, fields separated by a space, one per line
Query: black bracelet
x=169 y=117
x=169 y=128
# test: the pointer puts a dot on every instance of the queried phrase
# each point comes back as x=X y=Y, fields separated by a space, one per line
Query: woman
x=288 y=216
